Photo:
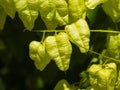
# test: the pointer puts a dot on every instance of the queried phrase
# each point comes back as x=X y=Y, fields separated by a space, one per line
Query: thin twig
x=105 y=31
x=100 y=31
x=116 y=60
x=48 y=31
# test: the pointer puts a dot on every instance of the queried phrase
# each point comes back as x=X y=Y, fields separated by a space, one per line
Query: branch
x=99 y=31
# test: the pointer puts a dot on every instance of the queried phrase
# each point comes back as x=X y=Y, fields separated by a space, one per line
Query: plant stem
x=48 y=31
x=99 y=31
x=116 y=60
x=105 y=31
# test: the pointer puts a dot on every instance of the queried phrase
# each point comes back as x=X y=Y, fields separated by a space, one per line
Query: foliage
x=81 y=36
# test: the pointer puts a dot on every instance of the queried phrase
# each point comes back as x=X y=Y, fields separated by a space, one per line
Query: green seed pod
x=59 y=49
x=33 y=50
x=76 y=10
x=44 y=58
x=113 y=49
x=62 y=85
x=104 y=77
x=79 y=34
x=39 y=55
x=91 y=4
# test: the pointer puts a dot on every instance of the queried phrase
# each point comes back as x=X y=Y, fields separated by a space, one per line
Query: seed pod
x=113 y=49
x=79 y=34
x=62 y=85
x=104 y=77
x=44 y=58
x=33 y=50
x=39 y=55
x=76 y=10
x=59 y=49
x=92 y=4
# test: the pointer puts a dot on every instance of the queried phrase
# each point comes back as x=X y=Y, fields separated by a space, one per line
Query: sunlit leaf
x=54 y=13
x=3 y=16
x=9 y=7
x=27 y=11
x=59 y=49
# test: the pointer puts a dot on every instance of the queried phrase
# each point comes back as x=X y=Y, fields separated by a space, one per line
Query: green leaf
x=54 y=13
x=79 y=34
x=91 y=4
x=76 y=10
x=27 y=11
x=9 y=7
x=112 y=8
x=62 y=85
x=84 y=81
x=92 y=15
x=3 y=16
x=104 y=77
x=59 y=49
x=39 y=55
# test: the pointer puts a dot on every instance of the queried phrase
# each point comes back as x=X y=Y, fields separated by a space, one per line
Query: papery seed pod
x=62 y=85
x=33 y=50
x=104 y=77
x=113 y=49
x=44 y=58
x=79 y=34
x=39 y=55
x=76 y=10
x=59 y=49
x=92 y=4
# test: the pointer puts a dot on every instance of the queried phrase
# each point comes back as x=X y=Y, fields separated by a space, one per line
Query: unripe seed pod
x=104 y=77
x=33 y=50
x=79 y=34
x=39 y=55
x=59 y=49
x=76 y=10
